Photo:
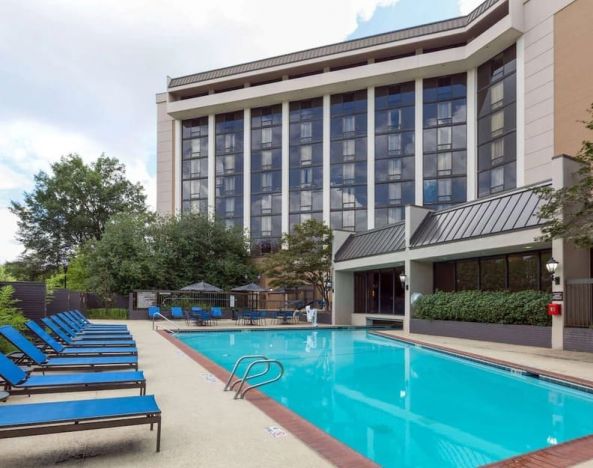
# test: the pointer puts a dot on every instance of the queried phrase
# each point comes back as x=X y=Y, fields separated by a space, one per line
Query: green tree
x=305 y=259
x=5 y=274
x=70 y=206
x=75 y=278
x=570 y=209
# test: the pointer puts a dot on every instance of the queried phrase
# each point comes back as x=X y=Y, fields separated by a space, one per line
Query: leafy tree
x=71 y=206
x=306 y=258
x=5 y=274
x=570 y=209
x=75 y=278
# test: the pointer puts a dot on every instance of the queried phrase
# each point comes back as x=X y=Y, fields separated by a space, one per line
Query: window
x=266 y=136
x=467 y=275
x=348 y=124
x=444 y=164
x=496 y=95
x=394 y=215
x=306 y=200
x=266 y=118
x=229 y=223
x=306 y=153
x=266 y=226
x=229 y=185
x=497 y=179
x=348 y=149
x=266 y=159
x=348 y=173
x=497 y=151
x=229 y=164
x=196 y=147
x=266 y=181
x=394 y=143
x=497 y=123
x=497 y=67
x=394 y=118
x=348 y=198
x=348 y=220
x=306 y=177
x=395 y=194
x=266 y=204
x=229 y=207
x=229 y=142
x=492 y=274
x=444 y=112
x=444 y=138
x=394 y=169
x=306 y=130
x=196 y=166
x=445 y=189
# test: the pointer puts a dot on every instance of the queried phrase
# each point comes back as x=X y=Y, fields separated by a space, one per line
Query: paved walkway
x=202 y=425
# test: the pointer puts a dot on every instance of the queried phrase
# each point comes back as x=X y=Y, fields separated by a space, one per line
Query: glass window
x=266 y=136
x=306 y=155
x=266 y=203
x=229 y=206
x=394 y=143
x=523 y=272
x=266 y=226
x=497 y=179
x=445 y=189
x=306 y=200
x=492 y=274
x=497 y=151
x=497 y=123
x=306 y=130
x=497 y=95
x=444 y=163
x=467 y=275
x=444 y=138
x=444 y=112
x=394 y=118
x=306 y=177
x=266 y=181
x=394 y=168
x=229 y=142
x=348 y=124
x=348 y=172
x=395 y=193
x=266 y=159
x=348 y=148
x=229 y=185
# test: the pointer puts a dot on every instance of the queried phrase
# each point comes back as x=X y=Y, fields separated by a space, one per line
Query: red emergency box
x=554 y=309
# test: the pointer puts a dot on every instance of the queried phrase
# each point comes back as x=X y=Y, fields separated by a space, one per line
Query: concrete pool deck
x=204 y=426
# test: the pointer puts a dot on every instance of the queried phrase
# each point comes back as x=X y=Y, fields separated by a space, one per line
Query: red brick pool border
x=563 y=455
x=325 y=445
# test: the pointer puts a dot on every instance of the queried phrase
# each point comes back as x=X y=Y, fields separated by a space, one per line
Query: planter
x=578 y=339
x=528 y=335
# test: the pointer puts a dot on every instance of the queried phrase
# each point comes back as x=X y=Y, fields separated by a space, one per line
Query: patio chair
x=82 y=318
x=79 y=330
x=60 y=349
x=152 y=311
x=103 y=336
x=18 y=382
x=40 y=359
x=69 y=416
x=204 y=317
x=216 y=313
x=76 y=324
x=83 y=343
x=177 y=313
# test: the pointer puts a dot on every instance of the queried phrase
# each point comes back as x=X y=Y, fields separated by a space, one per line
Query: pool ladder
x=256 y=360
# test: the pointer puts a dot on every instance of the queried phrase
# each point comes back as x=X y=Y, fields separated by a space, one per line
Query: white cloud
x=9 y=247
x=466 y=6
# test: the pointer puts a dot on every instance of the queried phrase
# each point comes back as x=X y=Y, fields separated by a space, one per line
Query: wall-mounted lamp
x=402 y=279
x=552 y=266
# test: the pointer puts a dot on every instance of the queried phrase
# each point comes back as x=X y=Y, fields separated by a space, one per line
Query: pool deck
x=204 y=426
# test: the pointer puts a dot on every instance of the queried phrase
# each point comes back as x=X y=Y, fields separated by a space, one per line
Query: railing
x=154 y=326
x=579 y=303
x=257 y=360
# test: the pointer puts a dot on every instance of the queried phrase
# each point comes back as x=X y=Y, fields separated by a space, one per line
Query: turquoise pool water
x=402 y=405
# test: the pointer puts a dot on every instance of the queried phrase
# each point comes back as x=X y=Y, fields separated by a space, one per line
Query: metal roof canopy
x=251 y=287
x=374 y=242
x=201 y=286
x=340 y=47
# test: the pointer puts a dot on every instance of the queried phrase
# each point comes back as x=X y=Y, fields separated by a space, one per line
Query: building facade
x=381 y=136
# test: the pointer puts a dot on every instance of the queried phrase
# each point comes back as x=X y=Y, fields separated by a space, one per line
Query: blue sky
x=82 y=76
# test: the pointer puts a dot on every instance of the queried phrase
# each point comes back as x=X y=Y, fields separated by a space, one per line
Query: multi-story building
x=420 y=147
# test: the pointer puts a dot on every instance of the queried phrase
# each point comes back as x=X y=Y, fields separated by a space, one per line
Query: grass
x=106 y=313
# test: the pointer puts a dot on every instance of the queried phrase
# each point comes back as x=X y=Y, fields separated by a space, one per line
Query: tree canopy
x=570 y=209
x=143 y=251
x=304 y=260
x=70 y=206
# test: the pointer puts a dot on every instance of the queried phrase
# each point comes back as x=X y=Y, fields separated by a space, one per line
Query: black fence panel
x=31 y=297
x=579 y=303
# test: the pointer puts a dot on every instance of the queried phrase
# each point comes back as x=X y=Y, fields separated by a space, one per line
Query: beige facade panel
x=573 y=88
x=165 y=177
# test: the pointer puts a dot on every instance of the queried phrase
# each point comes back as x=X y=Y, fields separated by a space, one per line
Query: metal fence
x=579 y=303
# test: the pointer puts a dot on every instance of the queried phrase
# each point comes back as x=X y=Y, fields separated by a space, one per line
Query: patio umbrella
x=202 y=286
x=251 y=287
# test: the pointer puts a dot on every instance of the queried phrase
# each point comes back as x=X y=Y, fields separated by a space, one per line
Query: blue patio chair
x=19 y=382
x=101 y=335
x=84 y=343
x=153 y=310
x=177 y=312
x=67 y=416
x=40 y=359
x=79 y=329
x=60 y=349
x=216 y=313
x=204 y=317
x=91 y=326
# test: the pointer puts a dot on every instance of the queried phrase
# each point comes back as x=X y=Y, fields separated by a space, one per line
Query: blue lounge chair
x=83 y=343
x=80 y=318
x=216 y=313
x=60 y=349
x=40 y=359
x=79 y=327
x=177 y=312
x=87 y=336
x=152 y=311
x=69 y=416
x=75 y=332
x=18 y=382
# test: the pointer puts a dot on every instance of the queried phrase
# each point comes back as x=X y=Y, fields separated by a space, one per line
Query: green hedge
x=519 y=308
x=112 y=314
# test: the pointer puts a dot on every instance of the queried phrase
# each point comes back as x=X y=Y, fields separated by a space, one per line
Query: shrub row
x=112 y=314
x=520 y=308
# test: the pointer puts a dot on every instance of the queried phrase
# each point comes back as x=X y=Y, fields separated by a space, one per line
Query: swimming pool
x=404 y=405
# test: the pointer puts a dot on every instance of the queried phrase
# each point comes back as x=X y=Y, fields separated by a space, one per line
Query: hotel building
x=420 y=147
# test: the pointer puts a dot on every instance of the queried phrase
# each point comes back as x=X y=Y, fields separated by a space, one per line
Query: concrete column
x=371 y=157
x=177 y=169
x=520 y=110
x=247 y=169
x=419 y=280
x=472 y=134
x=326 y=145
x=211 y=164
x=343 y=306
x=419 y=151
x=285 y=165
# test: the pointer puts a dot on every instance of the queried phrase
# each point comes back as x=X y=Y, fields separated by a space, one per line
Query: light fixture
x=402 y=279
x=552 y=266
x=328 y=283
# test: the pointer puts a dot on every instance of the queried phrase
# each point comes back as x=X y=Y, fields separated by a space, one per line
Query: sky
x=80 y=76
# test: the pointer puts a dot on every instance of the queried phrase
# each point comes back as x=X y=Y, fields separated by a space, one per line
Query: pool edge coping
x=566 y=454
x=327 y=446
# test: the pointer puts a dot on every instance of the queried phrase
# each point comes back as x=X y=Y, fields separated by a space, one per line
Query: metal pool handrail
x=241 y=394
x=162 y=316
x=228 y=385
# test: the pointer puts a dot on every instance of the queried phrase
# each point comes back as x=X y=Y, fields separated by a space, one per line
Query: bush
x=9 y=314
x=106 y=313
x=519 y=308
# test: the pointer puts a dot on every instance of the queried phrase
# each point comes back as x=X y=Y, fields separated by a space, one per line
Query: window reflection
x=194 y=172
